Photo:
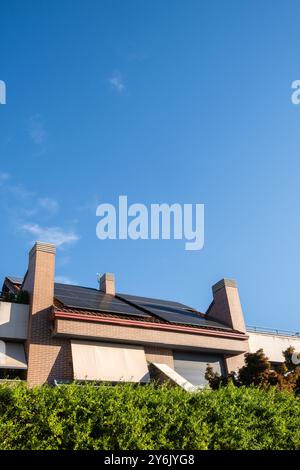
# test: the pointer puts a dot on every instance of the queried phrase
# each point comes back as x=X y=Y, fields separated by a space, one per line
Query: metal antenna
x=99 y=275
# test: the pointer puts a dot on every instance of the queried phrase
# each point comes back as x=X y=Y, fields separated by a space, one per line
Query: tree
x=256 y=370
x=259 y=371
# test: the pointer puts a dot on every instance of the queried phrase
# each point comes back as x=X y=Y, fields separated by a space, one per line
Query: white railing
x=272 y=331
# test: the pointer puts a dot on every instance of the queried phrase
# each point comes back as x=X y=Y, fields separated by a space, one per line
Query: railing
x=20 y=298
x=272 y=331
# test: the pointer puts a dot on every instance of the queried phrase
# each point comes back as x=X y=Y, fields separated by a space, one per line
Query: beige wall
x=273 y=345
x=234 y=363
x=13 y=320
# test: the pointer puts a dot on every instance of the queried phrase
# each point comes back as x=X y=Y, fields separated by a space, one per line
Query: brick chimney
x=107 y=283
x=226 y=305
x=39 y=280
x=43 y=350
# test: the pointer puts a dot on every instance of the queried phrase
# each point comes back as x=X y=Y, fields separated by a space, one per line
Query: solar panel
x=173 y=312
x=86 y=298
x=91 y=299
x=148 y=300
x=187 y=318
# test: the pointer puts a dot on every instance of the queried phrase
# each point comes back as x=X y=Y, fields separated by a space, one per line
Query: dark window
x=192 y=366
x=11 y=374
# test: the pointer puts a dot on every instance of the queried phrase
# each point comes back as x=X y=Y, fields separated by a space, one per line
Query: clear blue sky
x=163 y=101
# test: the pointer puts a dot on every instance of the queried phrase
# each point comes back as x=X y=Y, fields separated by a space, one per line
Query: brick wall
x=161 y=355
x=48 y=357
x=150 y=336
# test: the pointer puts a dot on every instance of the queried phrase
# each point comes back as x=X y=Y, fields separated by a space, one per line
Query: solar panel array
x=85 y=298
x=173 y=312
x=148 y=300
x=92 y=299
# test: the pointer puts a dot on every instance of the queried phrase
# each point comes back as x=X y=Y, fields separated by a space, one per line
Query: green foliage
x=150 y=417
x=258 y=371
x=22 y=297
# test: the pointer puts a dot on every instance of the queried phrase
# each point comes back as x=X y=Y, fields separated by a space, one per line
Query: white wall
x=13 y=320
x=272 y=344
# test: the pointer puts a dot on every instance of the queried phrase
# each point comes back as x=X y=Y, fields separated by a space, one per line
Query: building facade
x=53 y=333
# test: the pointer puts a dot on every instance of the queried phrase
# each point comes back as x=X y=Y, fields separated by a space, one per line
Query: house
x=55 y=333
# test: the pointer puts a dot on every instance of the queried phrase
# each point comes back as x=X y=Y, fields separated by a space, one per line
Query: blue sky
x=163 y=101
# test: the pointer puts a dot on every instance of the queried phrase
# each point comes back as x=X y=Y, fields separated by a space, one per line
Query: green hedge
x=147 y=417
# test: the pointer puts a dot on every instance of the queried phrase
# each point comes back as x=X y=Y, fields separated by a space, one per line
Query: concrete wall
x=272 y=344
x=13 y=320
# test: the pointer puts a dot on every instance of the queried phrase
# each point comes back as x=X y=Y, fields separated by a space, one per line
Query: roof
x=90 y=301
x=15 y=280
x=78 y=299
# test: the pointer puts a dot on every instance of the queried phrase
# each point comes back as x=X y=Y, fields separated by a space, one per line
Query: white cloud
x=28 y=213
x=48 y=204
x=36 y=129
x=17 y=190
x=56 y=235
x=3 y=177
x=117 y=83
x=28 y=203
x=44 y=207
x=64 y=280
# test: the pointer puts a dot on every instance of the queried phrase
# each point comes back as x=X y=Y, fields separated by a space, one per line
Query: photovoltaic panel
x=173 y=312
x=85 y=298
x=186 y=317
x=92 y=299
x=149 y=301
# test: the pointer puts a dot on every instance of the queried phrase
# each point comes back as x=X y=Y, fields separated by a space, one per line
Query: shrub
x=260 y=372
x=127 y=417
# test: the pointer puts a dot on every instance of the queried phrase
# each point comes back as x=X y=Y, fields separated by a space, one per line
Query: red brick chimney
x=45 y=354
x=226 y=306
x=107 y=283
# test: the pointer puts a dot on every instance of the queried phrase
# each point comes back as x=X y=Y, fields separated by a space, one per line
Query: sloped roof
x=90 y=301
x=78 y=299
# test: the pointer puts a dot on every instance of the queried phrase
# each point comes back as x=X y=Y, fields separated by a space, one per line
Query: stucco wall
x=273 y=345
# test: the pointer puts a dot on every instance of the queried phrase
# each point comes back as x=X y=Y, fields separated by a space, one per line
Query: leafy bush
x=130 y=417
x=259 y=371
